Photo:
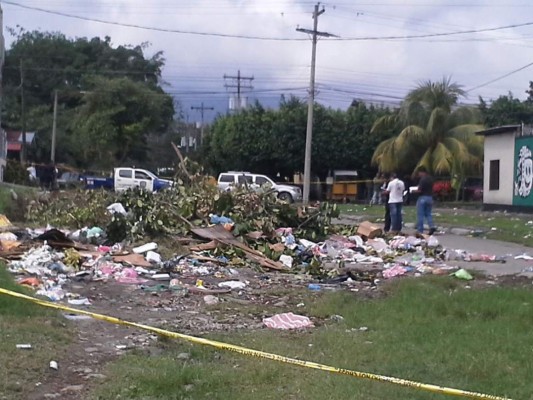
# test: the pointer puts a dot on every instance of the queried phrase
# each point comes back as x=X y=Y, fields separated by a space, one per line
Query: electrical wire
x=151 y=28
x=500 y=77
x=265 y=38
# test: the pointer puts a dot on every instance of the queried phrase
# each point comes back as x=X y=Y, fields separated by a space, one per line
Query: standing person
x=395 y=189
x=32 y=173
x=424 y=204
x=377 y=182
x=385 y=201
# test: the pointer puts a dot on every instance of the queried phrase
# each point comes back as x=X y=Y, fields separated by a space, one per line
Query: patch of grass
x=432 y=330
x=15 y=209
x=22 y=322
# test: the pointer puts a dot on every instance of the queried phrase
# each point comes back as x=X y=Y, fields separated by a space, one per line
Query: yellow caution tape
x=261 y=354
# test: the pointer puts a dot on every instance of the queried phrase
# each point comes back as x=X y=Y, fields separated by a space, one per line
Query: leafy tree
x=115 y=119
x=273 y=141
x=50 y=61
x=433 y=132
x=506 y=110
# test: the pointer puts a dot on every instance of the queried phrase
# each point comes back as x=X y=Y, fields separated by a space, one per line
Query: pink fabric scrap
x=394 y=271
x=129 y=276
x=288 y=321
x=395 y=243
x=284 y=231
x=104 y=249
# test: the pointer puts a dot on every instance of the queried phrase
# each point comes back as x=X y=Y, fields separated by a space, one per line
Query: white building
x=508 y=168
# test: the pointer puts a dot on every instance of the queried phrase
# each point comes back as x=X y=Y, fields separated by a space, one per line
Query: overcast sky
x=376 y=70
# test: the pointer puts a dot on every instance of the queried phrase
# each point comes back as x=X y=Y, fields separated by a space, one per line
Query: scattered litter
x=161 y=277
x=145 y=248
x=54 y=365
x=79 y=302
x=116 y=208
x=153 y=257
x=24 y=346
x=369 y=230
x=133 y=259
x=462 y=274
x=232 y=285
x=286 y=260
x=394 y=271
x=77 y=317
x=210 y=300
x=288 y=321
x=4 y=221
x=524 y=257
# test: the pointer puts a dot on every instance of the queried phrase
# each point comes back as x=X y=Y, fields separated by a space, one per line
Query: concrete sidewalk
x=487 y=246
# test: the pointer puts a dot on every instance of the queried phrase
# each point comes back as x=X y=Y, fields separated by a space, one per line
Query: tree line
x=113 y=110
x=110 y=99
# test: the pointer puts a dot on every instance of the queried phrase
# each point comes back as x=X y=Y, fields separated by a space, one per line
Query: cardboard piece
x=136 y=260
x=369 y=230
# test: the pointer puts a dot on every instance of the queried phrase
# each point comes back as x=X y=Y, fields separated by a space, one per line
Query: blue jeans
x=424 y=205
x=396 y=216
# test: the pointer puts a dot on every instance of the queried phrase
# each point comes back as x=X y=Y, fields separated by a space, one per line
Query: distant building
x=508 y=168
x=14 y=142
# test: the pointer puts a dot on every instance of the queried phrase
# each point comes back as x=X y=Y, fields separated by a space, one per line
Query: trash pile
x=225 y=243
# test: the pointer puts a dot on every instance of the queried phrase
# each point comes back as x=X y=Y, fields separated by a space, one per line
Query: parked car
x=472 y=189
x=231 y=179
x=69 y=180
x=127 y=178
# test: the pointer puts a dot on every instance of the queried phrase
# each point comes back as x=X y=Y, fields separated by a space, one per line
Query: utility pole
x=202 y=108
x=309 y=135
x=54 y=130
x=22 y=115
x=239 y=86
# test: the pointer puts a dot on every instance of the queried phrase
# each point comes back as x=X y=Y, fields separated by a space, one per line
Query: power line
x=264 y=38
x=238 y=85
x=150 y=28
x=500 y=77
x=427 y=35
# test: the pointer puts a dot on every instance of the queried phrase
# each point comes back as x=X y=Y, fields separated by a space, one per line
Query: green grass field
x=431 y=330
x=26 y=323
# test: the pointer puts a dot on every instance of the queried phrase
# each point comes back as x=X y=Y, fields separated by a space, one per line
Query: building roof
x=14 y=139
x=499 y=130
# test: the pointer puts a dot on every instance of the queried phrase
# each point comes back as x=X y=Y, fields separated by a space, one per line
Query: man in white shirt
x=395 y=189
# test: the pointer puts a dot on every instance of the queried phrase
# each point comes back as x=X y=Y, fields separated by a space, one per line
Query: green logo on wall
x=523 y=172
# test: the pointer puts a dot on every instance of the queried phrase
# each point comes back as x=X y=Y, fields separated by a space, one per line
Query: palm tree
x=433 y=132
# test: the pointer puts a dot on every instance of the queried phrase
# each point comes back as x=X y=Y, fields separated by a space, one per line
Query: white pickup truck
x=127 y=178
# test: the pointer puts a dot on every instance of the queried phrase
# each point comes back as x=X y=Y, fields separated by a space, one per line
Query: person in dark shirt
x=424 y=204
x=385 y=201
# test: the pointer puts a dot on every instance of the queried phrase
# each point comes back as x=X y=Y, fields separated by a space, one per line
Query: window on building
x=125 y=173
x=494 y=175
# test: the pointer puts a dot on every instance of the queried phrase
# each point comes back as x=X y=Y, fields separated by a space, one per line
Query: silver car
x=228 y=180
